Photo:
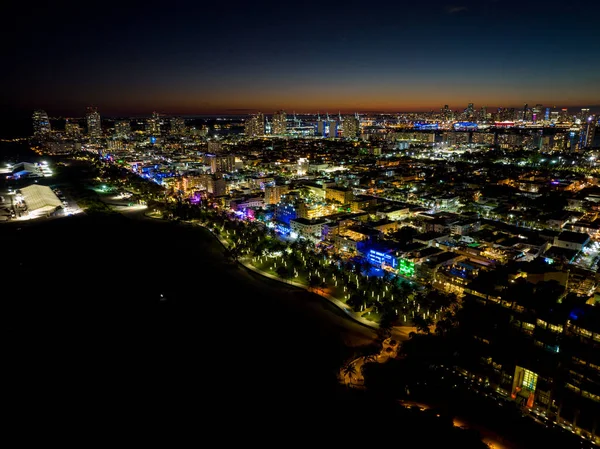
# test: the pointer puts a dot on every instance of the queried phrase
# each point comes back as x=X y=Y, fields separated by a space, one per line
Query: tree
x=422 y=324
x=349 y=370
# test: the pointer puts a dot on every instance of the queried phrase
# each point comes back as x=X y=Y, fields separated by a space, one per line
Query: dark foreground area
x=91 y=343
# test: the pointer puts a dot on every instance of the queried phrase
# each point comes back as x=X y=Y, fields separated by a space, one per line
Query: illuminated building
x=470 y=112
x=94 y=125
x=255 y=125
x=303 y=165
x=350 y=127
x=153 y=125
x=342 y=196
x=221 y=164
x=279 y=126
x=311 y=229
x=447 y=113
x=41 y=123
x=537 y=115
x=483 y=138
x=273 y=193
x=216 y=185
x=123 y=129
x=72 y=130
x=382 y=258
x=327 y=127
x=215 y=147
x=333 y=129
x=587 y=133
x=563 y=115
x=177 y=126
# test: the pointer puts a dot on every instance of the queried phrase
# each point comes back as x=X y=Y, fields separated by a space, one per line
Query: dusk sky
x=217 y=57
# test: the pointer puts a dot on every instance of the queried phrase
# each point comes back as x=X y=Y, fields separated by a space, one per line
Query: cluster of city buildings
x=415 y=196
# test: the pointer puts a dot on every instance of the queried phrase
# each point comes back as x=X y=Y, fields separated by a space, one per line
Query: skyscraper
x=470 y=111
x=333 y=127
x=123 y=129
x=41 y=123
x=153 y=125
x=177 y=126
x=94 y=126
x=255 y=125
x=587 y=133
x=279 y=126
x=350 y=127
x=72 y=129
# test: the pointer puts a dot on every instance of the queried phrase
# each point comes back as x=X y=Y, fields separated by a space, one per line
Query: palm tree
x=349 y=370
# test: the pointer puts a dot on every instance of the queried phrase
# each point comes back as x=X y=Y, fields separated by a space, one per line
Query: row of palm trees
x=392 y=300
x=388 y=299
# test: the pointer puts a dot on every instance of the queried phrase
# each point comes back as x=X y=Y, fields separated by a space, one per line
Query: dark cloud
x=456 y=9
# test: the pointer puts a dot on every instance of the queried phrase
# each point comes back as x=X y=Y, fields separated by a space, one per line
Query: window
x=541 y=323
x=555 y=328
x=529 y=380
x=584 y=332
x=572 y=387
x=544 y=397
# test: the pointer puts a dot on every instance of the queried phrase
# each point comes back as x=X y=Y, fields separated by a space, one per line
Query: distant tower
x=587 y=133
x=123 y=129
x=41 y=123
x=279 y=125
x=255 y=125
x=350 y=127
x=153 y=125
x=470 y=111
x=94 y=126
x=177 y=126
x=333 y=128
x=72 y=129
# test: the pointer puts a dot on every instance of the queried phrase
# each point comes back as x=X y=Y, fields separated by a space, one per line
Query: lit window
x=529 y=380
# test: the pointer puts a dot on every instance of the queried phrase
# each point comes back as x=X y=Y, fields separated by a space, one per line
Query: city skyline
x=191 y=60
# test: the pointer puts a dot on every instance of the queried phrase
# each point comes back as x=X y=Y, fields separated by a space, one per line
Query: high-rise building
x=217 y=186
x=332 y=129
x=584 y=114
x=177 y=126
x=41 y=123
x=483 y=113
x=536 y=114
x=94 y=125
x=123 y=129
x=279 y=125
x=255 y=125
x=470 y=111
x=588 y=132
x=321 y=127
x=350 y=127
x=327 y=127
x=72 y=129
x=221 y=164
x=564 y=115
x=153 y=125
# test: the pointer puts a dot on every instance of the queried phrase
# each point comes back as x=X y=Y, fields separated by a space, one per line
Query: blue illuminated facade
x=465 y=126
x=284 y=213
x=426 y=126
x=379 y=258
